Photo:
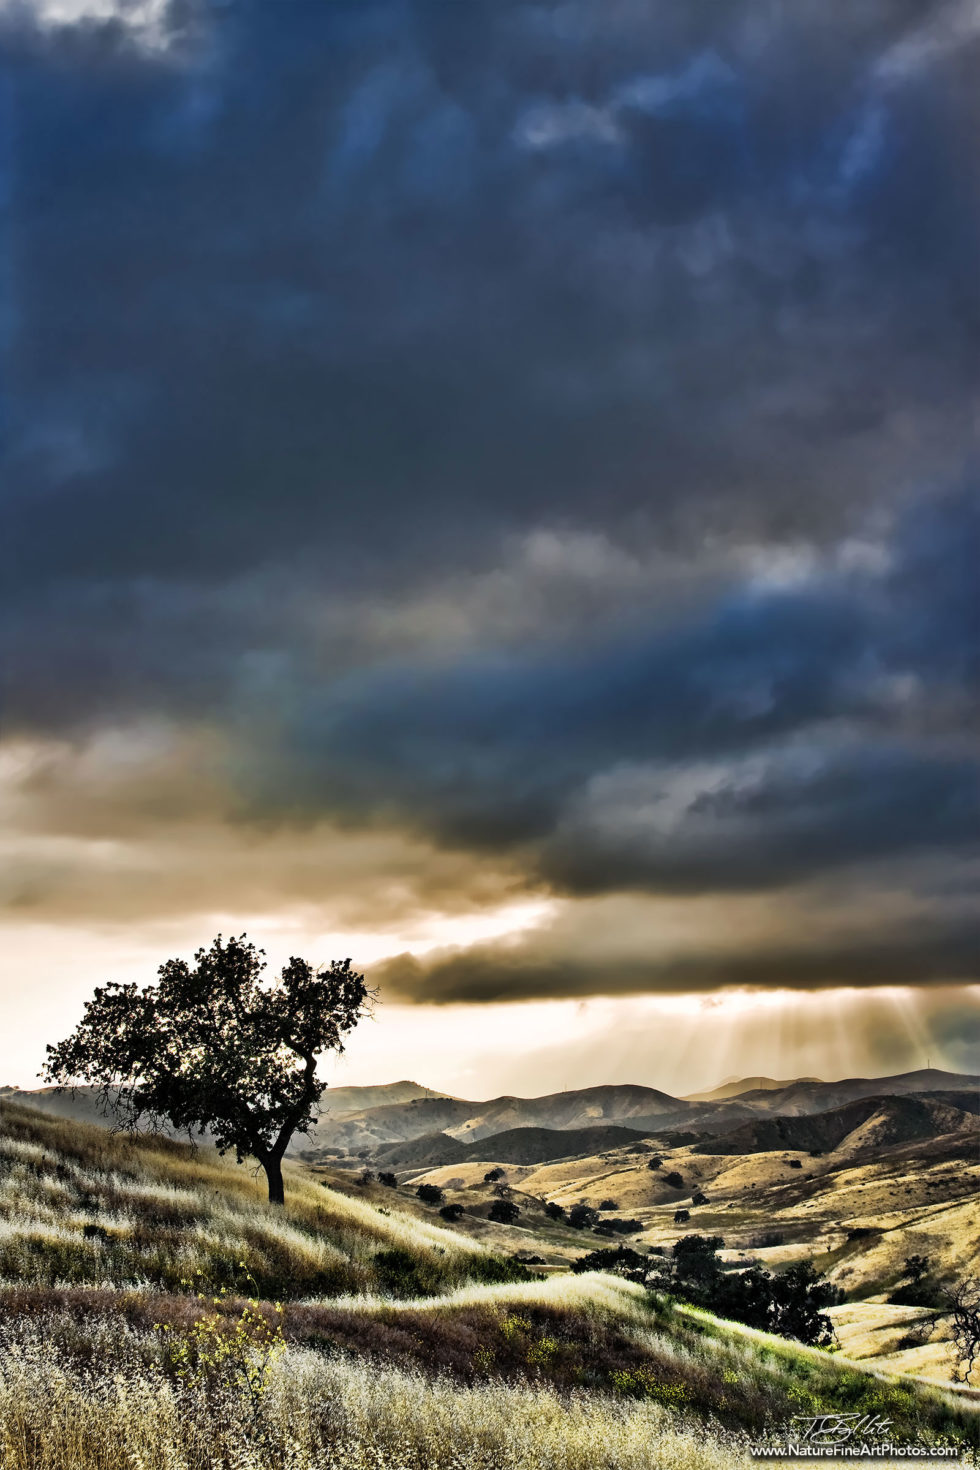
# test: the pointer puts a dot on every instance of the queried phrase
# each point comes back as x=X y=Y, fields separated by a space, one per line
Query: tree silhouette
x=211 y=1048
x=962 y=1302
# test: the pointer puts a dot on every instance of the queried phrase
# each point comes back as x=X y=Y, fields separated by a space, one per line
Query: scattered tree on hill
x=621 y=1262
x=367 y=1177
x=608 y=1204
x=674 y=1179
x=622 y=1227
x=582 y=1217
x=452 y=1212
x=789 y=1303
x=503 y=1211
x=429 y=1194
x=388 y=1179
x=554 y=1210
x=655 y=1164
x=695 y=1260
x=699 y=1197
x=917 y=1291
x=681 y=1216
x=492 y=1175
x=210 y=1048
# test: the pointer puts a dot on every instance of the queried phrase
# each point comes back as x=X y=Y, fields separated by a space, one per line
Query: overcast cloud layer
x=459 y=453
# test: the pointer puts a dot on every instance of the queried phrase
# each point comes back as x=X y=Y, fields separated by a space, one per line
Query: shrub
x=622 y=1262
x=675 y=1180
x=492 y=1175
x=656 y=1163
x=503 y=1211
x=367 y=1177
x=681 y=1216
x=623 y=1227
x=582 y=1217
x=452 y=1212
x=499 y=1270
x=699 y=1197
x=796 y=1163
x=608 y=1204
x=389 y=1180
x=698 y=1245
x=554 y=1210
x=429 y=1194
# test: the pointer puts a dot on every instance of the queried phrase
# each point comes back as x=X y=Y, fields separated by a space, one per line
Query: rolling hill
x=806 y=1096
x=736 y=1086
x=157 y=1311
x=872 y=1122
x=513 y=1146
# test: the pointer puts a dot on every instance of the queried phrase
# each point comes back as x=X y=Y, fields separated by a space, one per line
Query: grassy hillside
x=859 y=1210
x=139 y=1327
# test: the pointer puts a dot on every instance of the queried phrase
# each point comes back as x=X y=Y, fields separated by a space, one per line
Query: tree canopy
x=213 y=1048
x=788 y=1302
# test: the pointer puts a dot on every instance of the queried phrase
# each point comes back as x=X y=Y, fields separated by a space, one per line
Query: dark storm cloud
x=777 y=733
x=364 y=277
x=319 y=306
x=539 y=968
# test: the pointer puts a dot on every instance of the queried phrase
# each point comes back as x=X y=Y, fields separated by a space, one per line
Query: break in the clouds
x=497 y=449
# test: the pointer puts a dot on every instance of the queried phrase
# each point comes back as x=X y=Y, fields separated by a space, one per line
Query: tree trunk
x=272 y=1165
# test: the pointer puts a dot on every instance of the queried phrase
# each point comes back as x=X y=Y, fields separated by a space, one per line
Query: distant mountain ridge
x=876 y=1122
x=514 y=1146
x=735 y=1086
x=354 y=1122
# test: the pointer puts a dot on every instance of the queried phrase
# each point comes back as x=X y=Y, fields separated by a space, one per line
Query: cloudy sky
x=492 y=489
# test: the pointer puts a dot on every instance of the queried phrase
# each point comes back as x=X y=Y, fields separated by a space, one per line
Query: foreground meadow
x=155 y=1313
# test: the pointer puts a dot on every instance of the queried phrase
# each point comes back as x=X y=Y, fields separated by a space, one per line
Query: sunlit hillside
x=157 y=1313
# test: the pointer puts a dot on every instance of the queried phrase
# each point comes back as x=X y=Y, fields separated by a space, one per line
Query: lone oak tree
x=212 y=1048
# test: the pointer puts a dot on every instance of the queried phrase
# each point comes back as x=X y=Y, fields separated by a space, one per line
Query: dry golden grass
x=81 y=1206
x=593 y=1291
x=323 y=1414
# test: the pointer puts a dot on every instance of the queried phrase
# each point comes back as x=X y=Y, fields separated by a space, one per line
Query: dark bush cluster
x=789 y=1303
x=582 y=1217
x=429 y=1194
x=503 y=1211
x=623 y=1261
